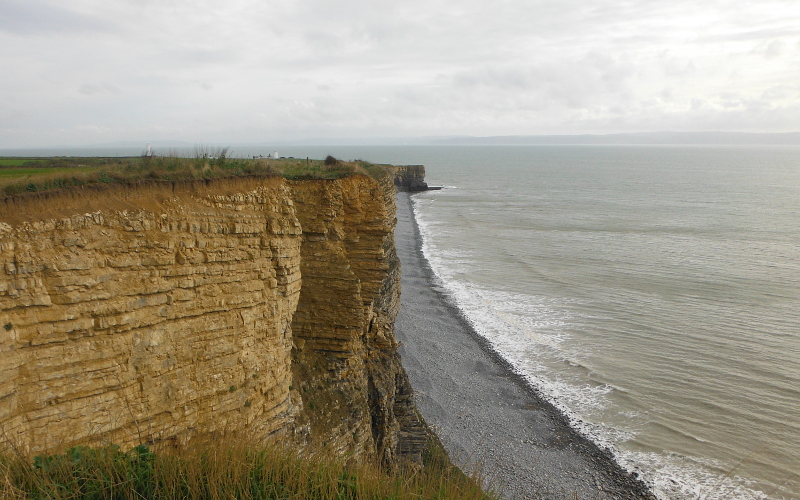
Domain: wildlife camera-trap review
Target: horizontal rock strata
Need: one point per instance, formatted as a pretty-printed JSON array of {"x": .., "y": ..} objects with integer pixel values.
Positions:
[{"x": 155, "y": 312}]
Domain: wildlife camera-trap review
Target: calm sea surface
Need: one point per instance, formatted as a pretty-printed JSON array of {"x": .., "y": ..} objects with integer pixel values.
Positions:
[{"x": 651, "y": 292}]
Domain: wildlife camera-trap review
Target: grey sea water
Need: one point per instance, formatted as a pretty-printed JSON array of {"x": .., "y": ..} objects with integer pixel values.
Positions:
[{"x": 651, "y": 292}]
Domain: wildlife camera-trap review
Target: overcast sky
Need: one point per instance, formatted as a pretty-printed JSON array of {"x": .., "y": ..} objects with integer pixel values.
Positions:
[{"x": 93, "y": 71}]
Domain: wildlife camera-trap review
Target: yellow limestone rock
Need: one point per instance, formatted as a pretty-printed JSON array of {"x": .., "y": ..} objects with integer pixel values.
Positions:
[
  {"x": 150, "y": 313},
  {"x": 168, "y": 317}
]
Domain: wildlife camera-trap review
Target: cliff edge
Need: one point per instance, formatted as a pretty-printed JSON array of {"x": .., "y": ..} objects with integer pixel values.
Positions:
[{"x": 158, "y": 311}]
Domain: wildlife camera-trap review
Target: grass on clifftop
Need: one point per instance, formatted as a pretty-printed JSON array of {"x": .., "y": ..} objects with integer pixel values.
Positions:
[
  {"x": 21, "y": 175},
  {"x": 224, "y": 471}
]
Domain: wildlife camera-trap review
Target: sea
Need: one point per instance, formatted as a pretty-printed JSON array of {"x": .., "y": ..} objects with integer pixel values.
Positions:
[{"x": 652, "y": 293}]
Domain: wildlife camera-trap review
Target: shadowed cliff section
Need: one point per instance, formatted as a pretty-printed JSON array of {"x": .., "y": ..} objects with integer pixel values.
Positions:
[
  {"x": 410, "y": 178},
  {"x": 159, "y": 311},
  {"x": 355, "y": 388}
]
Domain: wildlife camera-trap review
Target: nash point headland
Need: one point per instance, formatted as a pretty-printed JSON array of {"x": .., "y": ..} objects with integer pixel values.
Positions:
[{"x": 232, "y": 323}]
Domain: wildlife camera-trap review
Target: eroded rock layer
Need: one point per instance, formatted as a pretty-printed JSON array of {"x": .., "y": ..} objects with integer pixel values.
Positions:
[{"x": 156, "y": 312}]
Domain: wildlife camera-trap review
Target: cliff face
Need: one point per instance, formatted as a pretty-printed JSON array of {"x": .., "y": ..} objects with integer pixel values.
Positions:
[
  {"x": 357, "y": 393},
  {"x": 154, "y": 313},
  {"x": 410, "y": 178}
]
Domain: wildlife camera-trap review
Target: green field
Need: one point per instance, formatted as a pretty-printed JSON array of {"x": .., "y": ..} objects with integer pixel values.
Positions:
[
  {"x": 12, "y": 168},
  {"x": 18, "y": 162},
  {"x": 25, "y": 172}
]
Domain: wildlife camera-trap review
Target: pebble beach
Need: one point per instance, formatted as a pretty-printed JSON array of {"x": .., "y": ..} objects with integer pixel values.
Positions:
[{"x": 487, "y": 417}]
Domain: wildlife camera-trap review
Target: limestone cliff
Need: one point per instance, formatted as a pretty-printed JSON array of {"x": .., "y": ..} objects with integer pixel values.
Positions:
[
  {"x": 410, "y": 178},
  {"x": 158, "y": 311}
]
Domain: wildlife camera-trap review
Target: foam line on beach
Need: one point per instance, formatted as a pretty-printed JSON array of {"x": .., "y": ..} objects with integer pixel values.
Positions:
[
  {"x": 507, "y": 325},
  {"x": 483, "y": 411}
]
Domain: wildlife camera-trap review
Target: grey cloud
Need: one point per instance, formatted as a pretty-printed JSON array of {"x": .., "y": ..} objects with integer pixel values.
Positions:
[
  {"x": 36, "y": 17},
  {"x": 761, "y": 34},
  {"x": 574, "y": 83},
  {"x": 324, "y": 40},
  {"x": 201, "y": 70},
  {"x": 192, "y": 56},
  {"x": 775, "y": 48},
  {"x": 674, "y": 66},
  {"x": 779, "y": 92},
  {"x": 93, "y": 88}
]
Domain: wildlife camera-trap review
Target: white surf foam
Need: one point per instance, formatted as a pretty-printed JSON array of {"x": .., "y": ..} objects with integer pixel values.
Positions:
[{"x": 529, "y": 330}]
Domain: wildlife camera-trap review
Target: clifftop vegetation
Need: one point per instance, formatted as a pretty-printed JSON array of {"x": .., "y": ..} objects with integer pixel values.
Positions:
[{"x": 21, "y": 175}]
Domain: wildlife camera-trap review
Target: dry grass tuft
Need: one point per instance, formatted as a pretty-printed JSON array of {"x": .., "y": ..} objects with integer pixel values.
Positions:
[{"x": 225, "y": 469}]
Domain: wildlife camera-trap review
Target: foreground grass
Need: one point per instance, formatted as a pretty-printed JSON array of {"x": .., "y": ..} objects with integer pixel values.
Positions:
[
  {"x": 20, "y": 175},
  {"x": 225, "y": 471}
]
